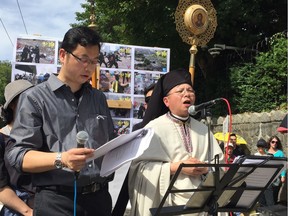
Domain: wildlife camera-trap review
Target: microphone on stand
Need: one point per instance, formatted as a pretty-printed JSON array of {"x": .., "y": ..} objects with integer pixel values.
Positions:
[
  {"x": 81, "y": 138},
  {"x": 194, "y": 109}
]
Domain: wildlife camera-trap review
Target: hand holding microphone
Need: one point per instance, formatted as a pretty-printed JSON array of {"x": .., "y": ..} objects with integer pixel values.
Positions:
[
  {"x": 81, "y": 138},
  {"x": 75, "y": 158}
]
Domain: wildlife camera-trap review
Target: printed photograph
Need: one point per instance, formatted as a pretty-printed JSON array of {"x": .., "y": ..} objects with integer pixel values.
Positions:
[
  {"x": 151, "y": 59},
  {"x": 115, "y": 81},
  {"x": 34, "y": 73},
  {"x": 138, "y": 107},
  {"x": 57, "y": 54},
  {"x": 35, "y": 51},
  {"x": 121, "y": 126},
  {"x": 143, "y": 80},
  {"x": 115, "y": 56}
]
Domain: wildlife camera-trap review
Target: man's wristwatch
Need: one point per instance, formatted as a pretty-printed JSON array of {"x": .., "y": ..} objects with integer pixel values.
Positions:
[{"x": 58, "y": 161}]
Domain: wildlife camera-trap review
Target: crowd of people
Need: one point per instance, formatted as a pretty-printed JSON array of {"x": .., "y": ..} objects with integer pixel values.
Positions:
[
  {"x": 276, "y": 193},
  {"x": 45, "y": 173}
]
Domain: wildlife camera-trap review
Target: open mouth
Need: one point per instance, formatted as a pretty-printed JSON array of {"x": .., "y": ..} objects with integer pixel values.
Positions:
[{"x": 187, "y": 102}]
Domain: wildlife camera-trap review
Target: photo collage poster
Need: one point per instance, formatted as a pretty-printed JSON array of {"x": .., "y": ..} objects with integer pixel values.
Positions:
[{"x": 125, "y": 71}]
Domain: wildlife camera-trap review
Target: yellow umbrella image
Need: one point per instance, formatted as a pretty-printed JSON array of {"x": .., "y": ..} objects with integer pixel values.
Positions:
[{"x": 220, "y": 136}]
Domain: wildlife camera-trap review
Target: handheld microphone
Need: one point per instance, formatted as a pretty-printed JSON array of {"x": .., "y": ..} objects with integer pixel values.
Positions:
[
  {"x": 81, "y": 138},
  {"x": 194, "y": 109}
]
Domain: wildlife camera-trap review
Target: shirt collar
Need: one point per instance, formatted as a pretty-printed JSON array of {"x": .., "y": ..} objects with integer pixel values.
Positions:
[{"x": 55, "y": 83}]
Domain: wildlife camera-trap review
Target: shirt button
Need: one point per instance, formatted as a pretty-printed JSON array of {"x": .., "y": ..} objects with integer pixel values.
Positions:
[{"x": 73, "y": 100}]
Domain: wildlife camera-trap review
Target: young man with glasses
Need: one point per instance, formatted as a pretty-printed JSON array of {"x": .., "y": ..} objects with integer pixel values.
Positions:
[{"x": 50, "y": 116}]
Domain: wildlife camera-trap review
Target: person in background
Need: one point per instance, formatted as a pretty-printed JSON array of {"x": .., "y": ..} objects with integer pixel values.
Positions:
[
  {"x": 261, "y": 147},
  {"x": 147, "y": 93},
  {"x": 50, "y": 115},
  {"x": 178, "y": 138},
  {"x": 275, "y": 148},
  {"x": 238, "y": 149},
  {"x": 16, "y": 191},
  {"x": 266, "y": 199},
  {"x": 282, "y": 195},
  {"x": 229, "y": 151}
]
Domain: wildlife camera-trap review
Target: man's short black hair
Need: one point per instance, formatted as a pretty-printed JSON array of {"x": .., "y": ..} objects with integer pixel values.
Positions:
[
  {"x": 233, "y": 134},
  {"x": 82, "y": 35}
]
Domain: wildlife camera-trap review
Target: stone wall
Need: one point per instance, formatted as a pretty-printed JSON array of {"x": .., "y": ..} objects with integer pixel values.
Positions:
[{"x": 253, "y": 126}]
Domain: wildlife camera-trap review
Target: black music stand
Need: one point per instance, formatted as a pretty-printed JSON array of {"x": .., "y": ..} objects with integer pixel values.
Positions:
[{"x": 234, "y": 190}]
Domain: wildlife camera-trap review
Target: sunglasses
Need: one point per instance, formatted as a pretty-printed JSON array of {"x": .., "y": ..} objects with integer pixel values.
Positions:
[
  {"x": 147, "y": 99},
  {"x": 273, "y": 142}
]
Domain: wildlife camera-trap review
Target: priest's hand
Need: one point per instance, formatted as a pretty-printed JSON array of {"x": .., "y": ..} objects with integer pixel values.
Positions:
[{"x": 191, "y": 171}]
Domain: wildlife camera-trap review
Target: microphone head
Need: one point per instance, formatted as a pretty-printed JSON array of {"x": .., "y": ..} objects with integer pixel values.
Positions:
[
  {"x": 192, "y": 110},
  {"x": 82, "y": 137}
]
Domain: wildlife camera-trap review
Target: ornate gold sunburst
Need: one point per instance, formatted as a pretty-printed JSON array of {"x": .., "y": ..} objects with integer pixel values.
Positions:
[{"x": 196, "y": 21}]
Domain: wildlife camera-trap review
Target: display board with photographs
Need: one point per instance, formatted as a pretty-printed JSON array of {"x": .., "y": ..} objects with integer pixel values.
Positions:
[{"x": 125, "y": 71}]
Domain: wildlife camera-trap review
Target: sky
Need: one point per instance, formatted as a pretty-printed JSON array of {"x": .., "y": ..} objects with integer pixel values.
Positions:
[{"x": 46, "y": 18}]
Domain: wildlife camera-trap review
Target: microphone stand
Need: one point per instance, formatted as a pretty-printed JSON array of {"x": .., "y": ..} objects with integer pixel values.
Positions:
[{"x": 207, "y": 116}]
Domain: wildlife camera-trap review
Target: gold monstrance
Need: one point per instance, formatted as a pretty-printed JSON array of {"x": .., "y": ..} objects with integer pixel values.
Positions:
[{"x": 196, "y": 23}]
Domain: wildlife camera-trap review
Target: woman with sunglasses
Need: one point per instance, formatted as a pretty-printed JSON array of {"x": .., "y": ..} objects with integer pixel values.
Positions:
[{"x": 275, "y": 148}]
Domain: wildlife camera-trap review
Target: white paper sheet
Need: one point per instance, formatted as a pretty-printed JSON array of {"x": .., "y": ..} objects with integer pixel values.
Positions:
[
  {"x": 116, "y": 185},
  {"x": 122, "y": 149},
  {"x": 132, "y": 149},
  {"x": 114, "y": 143}
]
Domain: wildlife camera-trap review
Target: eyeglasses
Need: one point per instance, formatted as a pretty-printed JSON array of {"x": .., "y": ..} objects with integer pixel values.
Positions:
[
  {"x": 273, "y": 142},
  {"x": 85, "y": 60},
  {"x": 181, "y": 92},
  {"x": 147, "y": 99}
]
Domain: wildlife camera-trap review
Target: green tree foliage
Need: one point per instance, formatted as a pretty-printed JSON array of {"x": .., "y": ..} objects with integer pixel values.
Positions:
[
  {"x": 261, "y": 86},
  {"x": 241, "y": 23},
  {"x": 5, "y": 78}
]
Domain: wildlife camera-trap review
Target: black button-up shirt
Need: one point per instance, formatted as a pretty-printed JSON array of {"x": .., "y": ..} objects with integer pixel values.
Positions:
[{"x": 48, "y": 118}]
